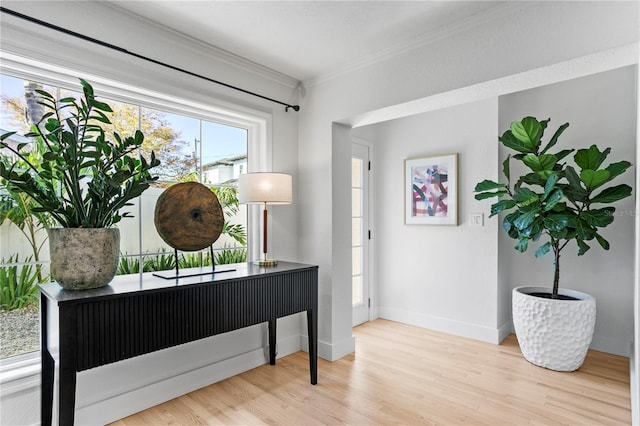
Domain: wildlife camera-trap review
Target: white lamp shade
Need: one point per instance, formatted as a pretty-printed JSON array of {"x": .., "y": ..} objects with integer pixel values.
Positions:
[{"x": 260, "y": 188}]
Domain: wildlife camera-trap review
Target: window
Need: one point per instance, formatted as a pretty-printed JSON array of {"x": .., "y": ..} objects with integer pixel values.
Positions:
[{"x": 193, "y": 142}]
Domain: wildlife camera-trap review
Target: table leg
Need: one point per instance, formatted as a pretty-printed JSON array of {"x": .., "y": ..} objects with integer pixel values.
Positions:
[
  {"x": 272, "y": 342},
  {"x": 312, "y": 331},
  {"x": 47, "y": 368}
]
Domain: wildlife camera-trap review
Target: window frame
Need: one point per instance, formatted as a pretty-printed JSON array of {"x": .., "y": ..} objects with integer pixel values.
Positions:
[{"x": 21, "y": 372}]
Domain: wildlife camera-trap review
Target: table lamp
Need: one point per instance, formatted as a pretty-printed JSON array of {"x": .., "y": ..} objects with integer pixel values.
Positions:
[{"x": 265, "y": 188}]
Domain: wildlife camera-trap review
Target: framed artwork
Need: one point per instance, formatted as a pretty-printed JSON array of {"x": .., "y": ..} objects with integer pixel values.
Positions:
[{"x": 431, "y": 190}]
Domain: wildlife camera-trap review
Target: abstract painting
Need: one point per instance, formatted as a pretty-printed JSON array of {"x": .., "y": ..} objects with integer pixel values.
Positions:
[{"x": 431, "y": 190}]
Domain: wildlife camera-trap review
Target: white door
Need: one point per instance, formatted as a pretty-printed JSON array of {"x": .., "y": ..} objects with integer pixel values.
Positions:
[{"x": 360, "y": 232}]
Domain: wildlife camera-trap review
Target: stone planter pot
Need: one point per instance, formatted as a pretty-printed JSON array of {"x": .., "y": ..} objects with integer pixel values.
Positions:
[
  {"x": 553, "y": 333},
  {"x": 84, "y": 258}
]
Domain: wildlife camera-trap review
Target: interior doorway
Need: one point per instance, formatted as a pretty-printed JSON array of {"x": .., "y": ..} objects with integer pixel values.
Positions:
[{"x": 360, "y": 233}]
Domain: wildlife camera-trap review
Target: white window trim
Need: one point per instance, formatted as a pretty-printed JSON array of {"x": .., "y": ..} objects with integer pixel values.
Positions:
[{"x": 22, "y": 372}]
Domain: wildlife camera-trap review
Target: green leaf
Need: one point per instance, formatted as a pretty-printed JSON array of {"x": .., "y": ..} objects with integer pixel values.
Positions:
[
  {"x": 599, "y": 218},
  {"x": 559, "y": 235},
  {"x": 505, "y": 168},
  {"x": 556, "y": 222},
  {"x": 525, "y": 197},
  {"x": 603, "y": 243},
  {"x": 49, "y": 156},
  {"x": 507, "y": 222},
  {"x": 584, "y": 231},
  {"x": 523, "y": 244},
  {"x": 44, "y": 94},
  {"x": 562, "y": 154},
  {"x": 101, "y": 106},
  {"x": 549, "y": 185},
  {"x": 590, "y": 158},
  {"x": 594, "y": 178},
  {"x": 501, "y": 206},
  {"x": 616, "y": 169},
  {"x": 543, "y": 249},
  {"x": 555, "y": 137},
  {"x": 87, "y": 90},
  {"x": 612, "y": 194},
  {"x": 553, "y": 199},
  {"x": 560, "y": 207},
  {"x": 528, "y": 131},
  {"x": 485, "y": 195},
  {"x": 512, "y": 142},
  {"x": 539, "y": 163},
  {"x": 525, "y": 219},
  {"x": 487, "y": 185},
  {"x": 530, "y": 179},
  {"x": 6, "y": 135},
  {"x": 582, "y": 247},
  {"x": 576, "y": 192}
]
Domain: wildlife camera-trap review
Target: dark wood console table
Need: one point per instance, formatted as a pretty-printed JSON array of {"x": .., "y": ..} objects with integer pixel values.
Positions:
[{"x": 139, "y": 314}]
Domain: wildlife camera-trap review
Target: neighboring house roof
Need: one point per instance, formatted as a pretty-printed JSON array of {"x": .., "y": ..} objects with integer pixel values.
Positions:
[{"x": 225, "y": 161}]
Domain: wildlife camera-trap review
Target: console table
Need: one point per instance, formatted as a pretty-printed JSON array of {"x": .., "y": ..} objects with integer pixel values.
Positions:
[{"x": 138, "y": 314}]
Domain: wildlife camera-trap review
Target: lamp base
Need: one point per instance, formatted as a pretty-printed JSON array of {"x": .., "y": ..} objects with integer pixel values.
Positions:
[{"x": 265, "y": 262}]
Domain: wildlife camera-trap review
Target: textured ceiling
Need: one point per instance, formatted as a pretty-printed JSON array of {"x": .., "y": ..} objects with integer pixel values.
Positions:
[{"x": 311, "y": 39}]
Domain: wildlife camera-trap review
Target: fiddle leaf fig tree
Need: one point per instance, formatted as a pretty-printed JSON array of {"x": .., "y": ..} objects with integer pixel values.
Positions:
[
  {"x": 82, "y": 178},
  {"x": 554, "y": 202}
]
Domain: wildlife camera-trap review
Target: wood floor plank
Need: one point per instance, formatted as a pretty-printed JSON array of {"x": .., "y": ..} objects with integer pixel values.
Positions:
[{"x": 408, "y": 375}]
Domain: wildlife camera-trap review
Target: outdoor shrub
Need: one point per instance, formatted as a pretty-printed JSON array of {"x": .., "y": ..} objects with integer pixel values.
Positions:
[
  {"x": 231, "y": 255},
  {"x": 159, "y": 262},
  {"x": 128, "y": 265},
  {"x": 194, "y": 260},
  {"x": 18, "y": 284}
]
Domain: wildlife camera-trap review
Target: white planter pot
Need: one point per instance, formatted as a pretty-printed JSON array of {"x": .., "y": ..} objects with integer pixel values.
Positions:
[{"x": 553, "y": 333}]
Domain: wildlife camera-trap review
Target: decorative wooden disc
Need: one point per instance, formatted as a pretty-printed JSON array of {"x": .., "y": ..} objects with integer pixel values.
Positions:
[{"x": 188, "y": 216}]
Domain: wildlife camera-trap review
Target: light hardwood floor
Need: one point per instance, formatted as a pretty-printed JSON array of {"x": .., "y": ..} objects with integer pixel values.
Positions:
[{"x": 406, "y": 375}]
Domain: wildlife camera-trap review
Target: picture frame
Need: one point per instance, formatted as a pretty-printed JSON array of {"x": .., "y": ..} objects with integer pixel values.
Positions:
[{"x": 431, "y": 190}]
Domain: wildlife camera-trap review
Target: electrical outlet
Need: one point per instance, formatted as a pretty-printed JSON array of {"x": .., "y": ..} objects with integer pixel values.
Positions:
[{"x": 476, "y": 219}]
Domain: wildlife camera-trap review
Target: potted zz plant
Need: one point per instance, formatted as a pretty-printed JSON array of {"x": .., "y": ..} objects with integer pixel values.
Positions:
[
  {"x": 554, "y": 203},
  {"x": 82, "y": 179}
]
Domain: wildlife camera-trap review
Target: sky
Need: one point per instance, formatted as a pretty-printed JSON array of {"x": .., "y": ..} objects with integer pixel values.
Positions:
[{"x": 220, "y": 141}]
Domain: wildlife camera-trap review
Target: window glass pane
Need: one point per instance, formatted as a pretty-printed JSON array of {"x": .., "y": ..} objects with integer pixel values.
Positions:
[
  {"x": 174, "y": 139},
  {"x": 357, "y": 290},
  {"x": 356, "y": 209},
  {"x": 14, "y": 93},
  {"x": 356, "y": 172},
  {"x": 125, "y": 119},
  {"x": 356, "y": 226},
  {"x": 23, "y": 245},
  {"x": 186, "y": 146},
  {"x": 356, "y": 260},
  {"x": 224, "y": 153}
]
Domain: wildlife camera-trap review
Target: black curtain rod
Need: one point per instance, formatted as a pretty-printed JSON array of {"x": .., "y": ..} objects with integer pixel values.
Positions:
[{"x": 136, "y": 55}]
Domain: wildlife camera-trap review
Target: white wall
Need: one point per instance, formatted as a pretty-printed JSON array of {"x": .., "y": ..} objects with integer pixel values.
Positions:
[
  {"x": 439, "y": 277},
  {"x": 527, "y": 41},
  {"x": 601, "y": 110},
  {"x": 108, "y": 393}
]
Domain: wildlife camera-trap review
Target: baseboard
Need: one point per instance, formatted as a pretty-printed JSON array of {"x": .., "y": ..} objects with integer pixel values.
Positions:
[
  {"x": 331, "y": 351},
  {"x": 504, "y": 330},
  {"x": 458, "y": 328},
  {"x": 136, "y": 400}
]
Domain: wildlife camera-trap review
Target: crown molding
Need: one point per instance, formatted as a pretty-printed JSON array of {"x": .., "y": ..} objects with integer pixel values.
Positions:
[
  {"x": 168, "y": 35},
  {"x": 506, "y": 9},
  {"x": 203, "y": 48}
]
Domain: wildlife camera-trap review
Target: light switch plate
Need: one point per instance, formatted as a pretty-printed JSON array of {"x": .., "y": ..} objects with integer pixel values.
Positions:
[{"x": 476, "y": 219}]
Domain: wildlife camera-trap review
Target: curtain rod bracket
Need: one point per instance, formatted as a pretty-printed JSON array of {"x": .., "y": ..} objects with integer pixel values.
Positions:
[{"x": 136, "y": 55}]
